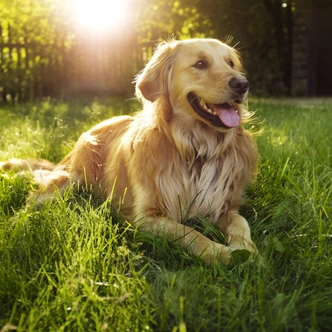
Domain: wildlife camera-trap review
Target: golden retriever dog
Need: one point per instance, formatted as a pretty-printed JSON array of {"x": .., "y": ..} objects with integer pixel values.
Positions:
[{"x": 185, "y": 155}]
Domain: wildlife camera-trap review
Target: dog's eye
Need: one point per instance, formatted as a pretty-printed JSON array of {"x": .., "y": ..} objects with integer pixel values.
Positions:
[
  {"x": 200, "y": 64},
  {"x": 231, "y": 63}
]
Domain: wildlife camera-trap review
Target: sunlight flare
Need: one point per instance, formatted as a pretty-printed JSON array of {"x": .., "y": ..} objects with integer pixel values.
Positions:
[{"x": 99, "y": 14}]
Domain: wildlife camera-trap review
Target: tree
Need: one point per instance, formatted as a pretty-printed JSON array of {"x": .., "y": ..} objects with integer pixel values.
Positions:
[{"x": 43, "y": 52}]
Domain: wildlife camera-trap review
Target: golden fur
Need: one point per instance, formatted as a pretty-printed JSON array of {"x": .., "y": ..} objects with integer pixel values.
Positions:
[{"x": 168, "y": 164}]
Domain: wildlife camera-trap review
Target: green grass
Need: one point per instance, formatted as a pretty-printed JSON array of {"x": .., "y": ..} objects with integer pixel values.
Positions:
[{"x": 76, "y": 266}]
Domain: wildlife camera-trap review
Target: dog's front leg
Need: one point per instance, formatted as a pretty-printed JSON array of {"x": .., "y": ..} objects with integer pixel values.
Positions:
[
  {"x": 188, "y": 238},
  {"x": 237, "y": 233}
]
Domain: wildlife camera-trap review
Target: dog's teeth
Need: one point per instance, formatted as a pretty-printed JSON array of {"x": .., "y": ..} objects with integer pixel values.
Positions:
[
  {"x": 205, "y": 107},
  {"x": 203, "y": 104},
  {"x": 211, "y": 111}
]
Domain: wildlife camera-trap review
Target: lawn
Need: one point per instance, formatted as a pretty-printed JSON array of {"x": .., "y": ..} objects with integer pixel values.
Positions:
[{"x": 75, "y": 265}]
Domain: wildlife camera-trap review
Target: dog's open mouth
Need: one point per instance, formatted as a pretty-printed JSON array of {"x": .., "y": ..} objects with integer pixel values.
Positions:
[{"x": 219, "y": 115}]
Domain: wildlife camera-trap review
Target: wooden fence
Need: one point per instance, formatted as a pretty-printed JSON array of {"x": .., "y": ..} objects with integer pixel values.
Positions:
[{"x": 36, "y": 69}]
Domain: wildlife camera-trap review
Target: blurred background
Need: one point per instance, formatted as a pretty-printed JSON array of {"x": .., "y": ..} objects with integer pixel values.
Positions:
[{"x": 74, "y": 48}]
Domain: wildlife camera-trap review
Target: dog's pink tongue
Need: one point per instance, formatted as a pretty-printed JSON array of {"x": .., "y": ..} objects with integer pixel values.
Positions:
[{"x": 228, "y": 115}]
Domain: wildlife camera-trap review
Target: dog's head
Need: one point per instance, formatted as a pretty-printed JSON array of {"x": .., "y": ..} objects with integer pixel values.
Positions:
[{"x": 202, "y": 78}]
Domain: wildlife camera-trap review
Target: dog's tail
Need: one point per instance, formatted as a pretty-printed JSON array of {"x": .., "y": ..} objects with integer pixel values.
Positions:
[
  {"x": 26, "y": 165},
  {"x": 45, "y": 173}
]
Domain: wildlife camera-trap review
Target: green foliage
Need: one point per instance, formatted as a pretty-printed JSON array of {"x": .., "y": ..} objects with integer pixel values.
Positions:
[
  {"x": 45, "y": 53},
  {"x": 75, "y": 265}
]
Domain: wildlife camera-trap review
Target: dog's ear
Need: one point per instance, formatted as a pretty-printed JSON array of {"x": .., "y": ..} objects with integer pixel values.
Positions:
[{"x": 153, "y": 80}]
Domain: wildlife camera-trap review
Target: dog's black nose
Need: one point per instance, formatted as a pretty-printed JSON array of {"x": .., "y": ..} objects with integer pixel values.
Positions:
[{"x": 239, "y": 85}]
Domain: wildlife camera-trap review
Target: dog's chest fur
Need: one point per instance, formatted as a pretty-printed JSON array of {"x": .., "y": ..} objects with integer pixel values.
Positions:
[
  {"x": 198, "y": 178},
  {"x": 198, "y": 191}
]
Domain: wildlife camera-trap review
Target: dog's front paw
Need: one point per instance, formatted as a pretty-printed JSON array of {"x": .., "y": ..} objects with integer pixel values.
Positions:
[
  {"x": 240, "y": 256},
  {"x": 243, "y": 255},
  {"x": 216, "y": 253}
]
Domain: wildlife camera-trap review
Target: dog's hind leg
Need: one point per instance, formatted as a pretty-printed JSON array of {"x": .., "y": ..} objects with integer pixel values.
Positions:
[
  {"x": 81, "y": 167},
  {"x": 49, "y": 183}
]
